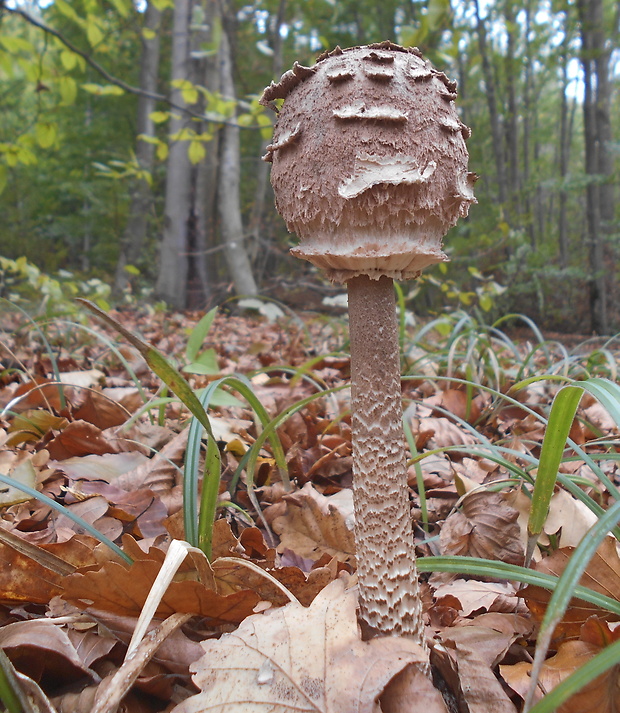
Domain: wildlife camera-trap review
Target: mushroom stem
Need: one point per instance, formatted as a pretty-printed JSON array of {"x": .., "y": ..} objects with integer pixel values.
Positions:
[{"x": 389, "y": 597}]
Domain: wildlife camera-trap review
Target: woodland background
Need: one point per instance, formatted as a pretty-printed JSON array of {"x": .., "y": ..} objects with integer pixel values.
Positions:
[{"x": 131, "y": 137}]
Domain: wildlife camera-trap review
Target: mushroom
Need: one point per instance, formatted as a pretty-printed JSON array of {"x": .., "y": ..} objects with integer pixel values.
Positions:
[{"x": 370, "y": 171}]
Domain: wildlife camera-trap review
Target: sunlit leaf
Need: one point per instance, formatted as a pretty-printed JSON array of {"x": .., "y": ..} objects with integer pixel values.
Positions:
[
  {"x": 68, "y": 90},
  {"x": 196, "y": 152},
  {"x": 46, "y": 134}
]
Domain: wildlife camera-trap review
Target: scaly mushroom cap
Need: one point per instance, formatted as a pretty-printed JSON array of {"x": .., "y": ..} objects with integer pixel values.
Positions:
[{"x": 369, "y": 161}]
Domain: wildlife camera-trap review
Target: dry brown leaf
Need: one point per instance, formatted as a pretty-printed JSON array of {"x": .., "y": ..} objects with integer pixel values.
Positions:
[
  {"x": 485, "y": 527},
  {"x": 79, "y": 438},
  {"x": 445, "y": 433},
  {"x": 176, "y": 653},
  {"x": 602, "y": 575},
  {"x": 107, "y": 467},
  {"x": 456, "y": 401},
  {"x": 231, "y": 577},
  {"x": 298, "y": 659},
  {"x": 30, "y": 426},
  {"x": 122, "y": 590},
  {"x": 161, "y": 473},
  {"x": 465, "y": 660},
  {"x": 43, "y": 651},
  {"x": 91, "y": 646},
  {"x": 598, "y": 696},
  {"x": 567, "y": 516},
  {"x": 473, "y": 684},
  {"x": 315, "y": 524},
  {"x": 101, "y": 411},
  {"x": 474, "y": 595},
  {"x": 31, "y": 573}
]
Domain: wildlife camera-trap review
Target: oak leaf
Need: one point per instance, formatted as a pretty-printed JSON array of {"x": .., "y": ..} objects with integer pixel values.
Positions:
[{"x": 122, "y": 590}]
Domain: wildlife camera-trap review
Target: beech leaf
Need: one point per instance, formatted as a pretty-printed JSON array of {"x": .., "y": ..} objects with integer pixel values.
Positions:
[
  {"x": 315, "y": 524},
  {"x": 305, "y": 659}
]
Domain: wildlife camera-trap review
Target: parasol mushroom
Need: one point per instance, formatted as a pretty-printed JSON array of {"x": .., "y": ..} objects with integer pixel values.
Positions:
[{"x": 370, "y": 171}]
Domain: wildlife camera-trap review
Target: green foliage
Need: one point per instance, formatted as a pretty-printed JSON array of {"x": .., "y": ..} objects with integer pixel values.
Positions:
[
  {"x": 22, "y": 282},
  {"x": 65, "y": 129}
]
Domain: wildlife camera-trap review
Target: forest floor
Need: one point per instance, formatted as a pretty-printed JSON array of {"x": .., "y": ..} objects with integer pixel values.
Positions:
[{"x": 107, "y": 450}]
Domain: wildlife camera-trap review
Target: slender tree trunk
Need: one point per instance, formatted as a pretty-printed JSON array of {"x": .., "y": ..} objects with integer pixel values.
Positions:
[
  {"x": 229, "y": 200},
  {"x": 203, "y": 31},
  {"x": 494, "y": 117},
  {"x": 592, "y": 51},
  {"x": 263, "y": 187},
  {"x": 206, "y": 172},
  {"x": 539, "y": 213},
  {"x": 527, "y": 127},
  {"x": 564, "y": 151},
  {"x": 512, "y": 130},
  {"x": 173, "y": 261},
  {"x": 141, "y": 199}
]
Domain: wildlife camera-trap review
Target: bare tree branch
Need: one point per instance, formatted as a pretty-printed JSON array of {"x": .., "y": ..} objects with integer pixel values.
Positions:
[{"x": 119, "y": 82}]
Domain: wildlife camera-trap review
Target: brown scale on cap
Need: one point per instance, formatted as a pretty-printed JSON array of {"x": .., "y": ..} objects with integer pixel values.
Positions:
[{"x": 369, "y": 161}]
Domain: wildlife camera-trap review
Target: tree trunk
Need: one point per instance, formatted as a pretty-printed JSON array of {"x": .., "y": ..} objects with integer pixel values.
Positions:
[
  {"x": 229, "y": 200},
  {"x": 141, "y": 199},
  {"x": 263, "y": 187},
  {"x": 527, "y": 127},
  {"x": 564, "y": 150},
  {"x": 592, "y": 59},
  {"x": 173, "y": 261},
  {"x": 496, "y": 129},
  {"x": 512, "y": 131},
  {"x": 205, "y": 207}
]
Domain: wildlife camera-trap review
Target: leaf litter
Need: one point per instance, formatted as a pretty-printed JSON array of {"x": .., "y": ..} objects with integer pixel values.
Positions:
[{"x": 262, "y": 623}]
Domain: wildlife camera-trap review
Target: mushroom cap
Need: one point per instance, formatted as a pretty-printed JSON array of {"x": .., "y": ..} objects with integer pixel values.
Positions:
[{"x": 369, "y": 161}]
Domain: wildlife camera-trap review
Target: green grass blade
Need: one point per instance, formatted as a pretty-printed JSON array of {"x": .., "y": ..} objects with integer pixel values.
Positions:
[
  {"x": 560, "y": 421},
  {"x": 159, "y": 364},
  {"x": 64, "y": 511},
  {"x": 209, "y": 497},
  {"x": 474, "y": 567},
  {"x": 48, "y": 348},
  {"x": 243, "y": 386},
  {"x": 10, "y": 693},
  {"x": 565, "y": 590},
  {"x": 419, "y": 477},
  {"x": 607, "y": 393},
  {"x": 114, "y": 349},
  {"x": 198, "y": 335}
]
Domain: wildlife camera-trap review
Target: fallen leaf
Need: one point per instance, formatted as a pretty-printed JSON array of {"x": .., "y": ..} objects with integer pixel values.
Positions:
[
  {"x": 602, "y": 575},
  {"x": 108, "y": 466},
  {"x": 122, "y": 590},
  {"x": 486, "y": 527},
  {"x": 598, "y": 696},
  {"x": 316, "y": 524},
  {"x": 79, "y": 438},
  {"x": 567, "y": 516},
  {"x": 43, "y": 651},
  {"x": 298, "y": 659},
  {"x": 100, "y": 410},
  {"x": 470, "y": 678},
  {"x": 474, "y": 595},
  {"x": 445, "y": 433}
]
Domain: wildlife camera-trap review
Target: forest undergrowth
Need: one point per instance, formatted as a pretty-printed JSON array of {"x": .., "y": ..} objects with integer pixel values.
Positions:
[{"x": 176, "y": 532}]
